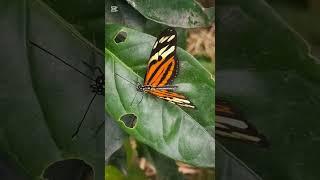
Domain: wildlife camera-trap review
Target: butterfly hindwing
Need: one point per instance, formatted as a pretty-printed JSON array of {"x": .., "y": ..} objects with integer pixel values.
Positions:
[
  {"x": 163, "y": 64},
  {"x": 230, "y": 124},
  {"x": 172, "y": 97}
]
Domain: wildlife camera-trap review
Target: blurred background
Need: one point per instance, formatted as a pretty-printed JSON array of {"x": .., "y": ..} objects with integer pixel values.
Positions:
[{"x": 303, "y": 16}]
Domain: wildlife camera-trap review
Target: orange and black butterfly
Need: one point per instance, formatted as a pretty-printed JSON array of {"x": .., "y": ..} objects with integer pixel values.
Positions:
[
  {"x": 230, "y": 124},
  {"x": 163, "y": 67}
]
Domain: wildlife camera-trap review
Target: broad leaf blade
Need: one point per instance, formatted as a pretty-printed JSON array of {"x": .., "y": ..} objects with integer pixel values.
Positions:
[
  {"x": 114, "y": 137},
  {"x": 230, "y": 167},
  {"x": 280, "y": 87},
  {"x": 178, "y": 13},
  {"x": 178, "y": 133},
  {"x": 124, "y": 14},
  {"x": 39, "y": 103}
]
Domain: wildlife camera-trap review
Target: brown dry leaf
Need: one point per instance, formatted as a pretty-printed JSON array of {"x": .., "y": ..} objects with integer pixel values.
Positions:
[
  {"x": 195, "y": 173},
  {"x": 201, "y": 41},
  {"x": 187, "y": 169},
  {"x": 148, "y": 168}
]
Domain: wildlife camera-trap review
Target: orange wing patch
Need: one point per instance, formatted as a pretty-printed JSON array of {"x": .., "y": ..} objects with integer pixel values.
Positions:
[{"x": 163, "y": 73}]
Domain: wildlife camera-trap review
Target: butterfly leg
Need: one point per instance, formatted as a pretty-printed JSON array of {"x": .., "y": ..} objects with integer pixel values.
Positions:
[
  {"x": 93, "y": 68},
  {"x": 98, "y": 68},
  {"x": 99, "y": 128},
  {"x": 141, "y": 99},
  {"x": 133, "y": 99},
  {"x": 83, "y": 118},
  {"x": 93, "y": 88}
]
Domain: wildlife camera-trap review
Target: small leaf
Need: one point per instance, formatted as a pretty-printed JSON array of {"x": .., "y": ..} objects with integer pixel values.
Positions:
[
  {"x": 113, "y": 139},
  {"x": 113, "y": 173}
]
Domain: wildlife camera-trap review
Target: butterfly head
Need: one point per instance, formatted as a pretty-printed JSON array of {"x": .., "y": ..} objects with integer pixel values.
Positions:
[
  {"x": 98, "y": 87},
  {"x": 166, "y": 37},
  {"x": 139, "y": 87},
  {"x": 169, "y": 31},
  {"x": 100, "y": 81},
  {"x": 142, "y": 88}
]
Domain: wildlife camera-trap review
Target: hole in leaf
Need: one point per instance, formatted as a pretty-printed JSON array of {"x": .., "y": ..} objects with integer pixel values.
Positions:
[
  {"x": 120, "y": 37},
  {"x": 69, "y": 169},
  {"x": 129, "y": 120}
]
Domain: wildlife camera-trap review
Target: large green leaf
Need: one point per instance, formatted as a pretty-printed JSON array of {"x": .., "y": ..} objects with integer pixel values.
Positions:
[
  {"x": 42, "y": 99},
  {"x": 229, "y": 167},
  {"x": 178, "y": 13},
  {"x": 86, "y": 16},
  {"x": 182, "y": 134},
  {"x": 124, "y": 14},
  {"x": 265, "y": 69}
]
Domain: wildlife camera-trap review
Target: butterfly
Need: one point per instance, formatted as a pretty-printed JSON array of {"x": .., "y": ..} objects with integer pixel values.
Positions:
[
  {"x": 163, "y": 67},
  {"x": 97, "y": 86},
  {"x": 230, "y": 124}
]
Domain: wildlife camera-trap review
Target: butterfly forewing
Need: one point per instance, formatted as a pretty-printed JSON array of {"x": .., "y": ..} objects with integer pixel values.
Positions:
[{"x": 163, "y": 64}]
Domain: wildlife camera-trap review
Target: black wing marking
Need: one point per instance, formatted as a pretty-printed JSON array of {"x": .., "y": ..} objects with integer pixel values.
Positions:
[{"x": 230, "y": 124}]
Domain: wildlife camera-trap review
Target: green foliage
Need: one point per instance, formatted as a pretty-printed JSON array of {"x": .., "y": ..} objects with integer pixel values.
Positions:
[
  {"x": 279, "y": 92},
  {"x": 42, "y": 99},
  {"x": 86, "y": 16},
  {"x": 114, "y": 138},
  {"x": 113, "y": 173},
  {"x": 125, "y": 15},
  {"x": 178, "y": 13},
  {"x": 176, "y": 133},
  {"x": 123, "y": 164}
]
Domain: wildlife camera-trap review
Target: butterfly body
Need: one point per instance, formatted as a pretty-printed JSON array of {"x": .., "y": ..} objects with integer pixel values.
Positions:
[
  {"x": 147, "y": 88},
  {"x": 98, "y": 86}
]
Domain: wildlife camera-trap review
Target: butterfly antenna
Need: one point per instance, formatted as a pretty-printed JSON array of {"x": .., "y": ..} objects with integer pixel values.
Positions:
[
  {"x": 133, "y": 99},
  {"x": 60, "y": 59},
  {"x": 141, "y": 98},
  {"x": 171, "y": 87},
  {"x": 98, "y": 129},
  {"x": 84, "y": 116},
  {"x": 93, "y": 68},
  {"x": 128, "y": 80}
]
